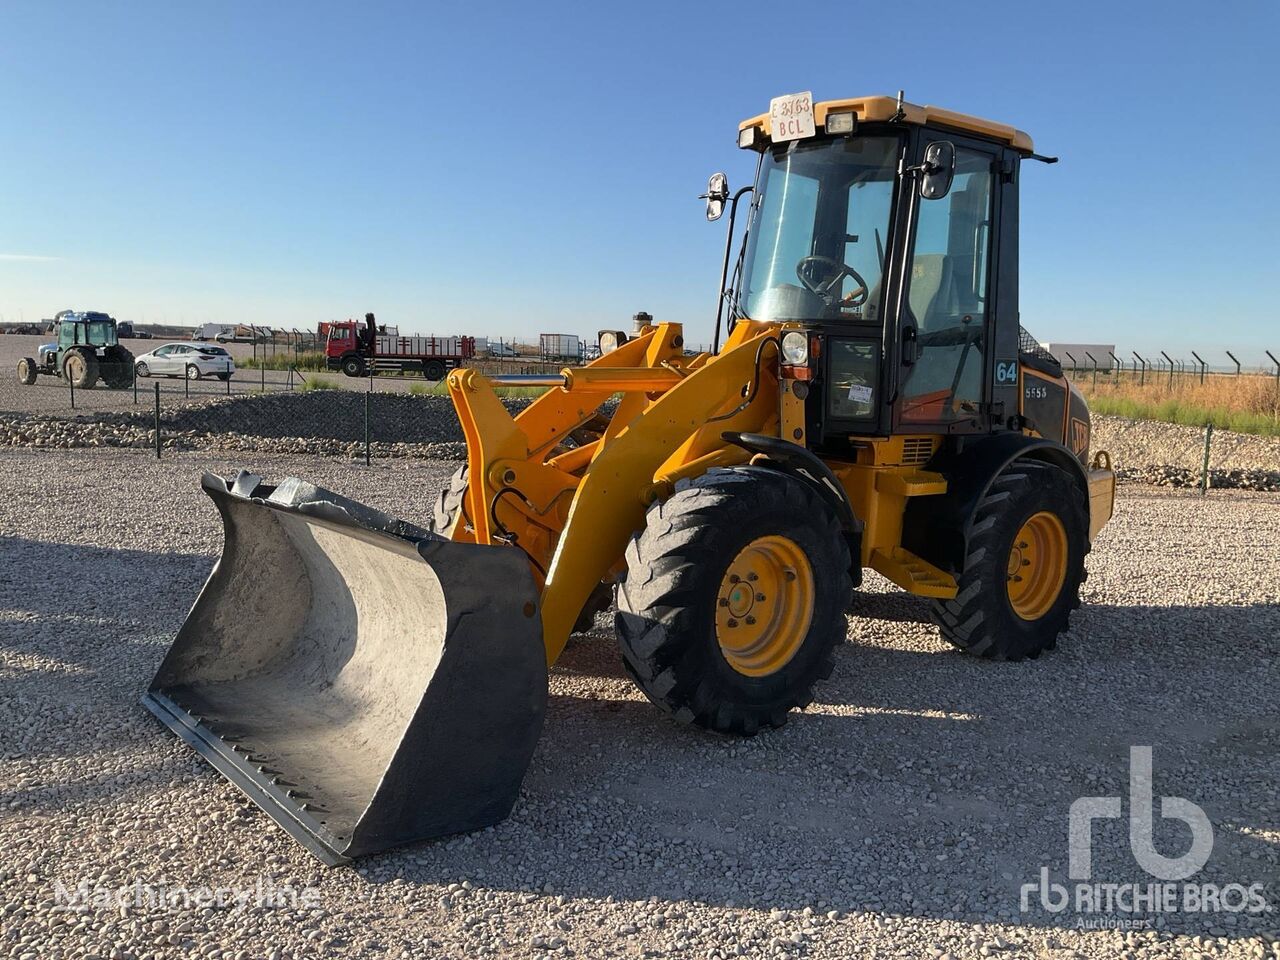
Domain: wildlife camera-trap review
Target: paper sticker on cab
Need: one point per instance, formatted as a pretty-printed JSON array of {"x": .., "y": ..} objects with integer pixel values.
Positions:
[{"x": 791, "y": 117}]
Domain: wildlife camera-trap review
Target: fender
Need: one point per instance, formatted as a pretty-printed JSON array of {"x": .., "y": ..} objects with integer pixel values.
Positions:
[
  {"x": 807, "y": 467},
  {"x": 937, "y": 528}
]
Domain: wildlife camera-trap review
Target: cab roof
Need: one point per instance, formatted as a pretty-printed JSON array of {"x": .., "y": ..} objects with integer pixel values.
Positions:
[{"x": 879, "y": 109}]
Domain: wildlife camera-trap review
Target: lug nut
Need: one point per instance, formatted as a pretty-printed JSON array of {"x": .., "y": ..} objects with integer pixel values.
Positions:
[
  {"x": 751, "y": 621},
  {"x": 760, "y": 597},
  {"x": 732, "y": 622},
  {"x": 734, "y": 578},
  {"x": 790, "y": 575},
  {"x": 724, "y": 602},
  {"x": 752, "y": 577}
]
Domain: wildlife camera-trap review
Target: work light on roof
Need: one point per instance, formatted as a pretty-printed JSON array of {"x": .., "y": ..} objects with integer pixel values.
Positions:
[{"x": 839, "y": 123}]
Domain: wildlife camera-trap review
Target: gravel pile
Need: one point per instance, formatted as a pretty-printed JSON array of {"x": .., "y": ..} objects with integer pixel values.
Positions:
[
  {"x": 898, "y": 816},
  {"x": 1169, "y": 454},
  {"x": 129, "y": 430},
  {"x": 331, "y": 423}
]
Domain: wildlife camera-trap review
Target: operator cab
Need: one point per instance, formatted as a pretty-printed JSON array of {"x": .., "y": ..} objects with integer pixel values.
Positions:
[{"x": 886, "y": 233}]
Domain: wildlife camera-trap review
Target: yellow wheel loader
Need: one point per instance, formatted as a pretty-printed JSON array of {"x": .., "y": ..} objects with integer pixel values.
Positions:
[{"x": 874, "y": 404}]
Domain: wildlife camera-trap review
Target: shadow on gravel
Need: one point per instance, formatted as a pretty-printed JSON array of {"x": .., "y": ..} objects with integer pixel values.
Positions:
[
  {"x": 922, "y": 782},
  {"x": 138, "y": 587}
]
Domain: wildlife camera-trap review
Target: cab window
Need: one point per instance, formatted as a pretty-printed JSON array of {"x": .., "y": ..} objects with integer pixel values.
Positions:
[{"x": 947, "y": 295}]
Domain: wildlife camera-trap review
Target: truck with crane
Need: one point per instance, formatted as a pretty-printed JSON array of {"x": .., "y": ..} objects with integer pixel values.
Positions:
[{"x": 361, "y": 349}]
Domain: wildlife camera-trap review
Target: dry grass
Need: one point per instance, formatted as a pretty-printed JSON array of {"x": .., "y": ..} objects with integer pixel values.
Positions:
[{"x": 1248, "y": 404}]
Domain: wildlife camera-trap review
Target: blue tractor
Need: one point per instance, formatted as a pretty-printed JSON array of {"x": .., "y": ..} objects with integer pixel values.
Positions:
[{"x": 87, "y": 350}]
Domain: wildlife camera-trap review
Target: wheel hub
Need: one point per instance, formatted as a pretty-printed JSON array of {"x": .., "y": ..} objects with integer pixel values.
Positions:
[
  {"x": 764, "y": 606},
  {"x": 1037, "y": 566}
]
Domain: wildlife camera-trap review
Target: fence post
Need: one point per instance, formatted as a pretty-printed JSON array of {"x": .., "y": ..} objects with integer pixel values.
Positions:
[
  {"x": 1095, "y": 368},
  {"x": 1143, "y": 381},
  {"x": 135, "y": 385},
  {"x": 1277, "y": 363},
  {"x": 1202, "y": 364},
  {"x": 1235, "y": 361},
  {"x": 157, "y": 386},
  {"x": 367, "y": 457},
  {"x": 1204, "y": 469},
  {"x": 186, "y": 384},
  {"x": 263, "y": 371},
  {"x": 228, "y": 383},
  {"x": 1166, "y": 356},
  {"x": 1117, "y": 369}
]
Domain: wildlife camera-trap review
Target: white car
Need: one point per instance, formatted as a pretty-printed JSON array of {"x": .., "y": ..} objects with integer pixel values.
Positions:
[{"x": 189, "y": 360}]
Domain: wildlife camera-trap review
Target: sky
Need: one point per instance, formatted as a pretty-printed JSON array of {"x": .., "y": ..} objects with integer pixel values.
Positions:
[{"x": 513, "y": 169}]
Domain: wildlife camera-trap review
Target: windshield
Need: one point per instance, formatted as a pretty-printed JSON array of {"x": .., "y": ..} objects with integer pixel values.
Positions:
[
  {"x": 816, "y": 249},
  {"x": 100, "y": 333}
]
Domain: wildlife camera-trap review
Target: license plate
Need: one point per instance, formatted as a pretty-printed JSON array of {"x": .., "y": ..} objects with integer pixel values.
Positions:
[{"x": 791, "y": 117}]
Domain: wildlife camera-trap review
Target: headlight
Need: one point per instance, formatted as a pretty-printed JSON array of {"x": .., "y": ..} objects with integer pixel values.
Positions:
[
  {"x": 610, "y": 340},
  {"x": 795, "y": 348}
]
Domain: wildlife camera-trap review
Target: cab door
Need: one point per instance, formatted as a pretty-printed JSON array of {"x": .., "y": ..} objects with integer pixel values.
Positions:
[{"x": 945, "y": 326}]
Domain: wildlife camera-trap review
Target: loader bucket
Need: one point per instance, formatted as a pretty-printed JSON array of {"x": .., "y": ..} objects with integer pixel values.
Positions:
[{"x": 363, "y": 681}]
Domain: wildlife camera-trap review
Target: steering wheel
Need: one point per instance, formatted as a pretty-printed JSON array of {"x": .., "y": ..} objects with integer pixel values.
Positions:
[{"x": 841, "y": 270}]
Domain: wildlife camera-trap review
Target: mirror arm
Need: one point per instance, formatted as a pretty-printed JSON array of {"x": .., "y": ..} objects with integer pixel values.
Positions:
[{"x": 724, "y": 269}]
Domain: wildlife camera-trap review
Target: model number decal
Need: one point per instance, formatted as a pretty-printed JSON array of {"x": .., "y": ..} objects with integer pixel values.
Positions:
[
  {"x": 1036, "y": 391},
  {"x": 1006, "y": 371}
]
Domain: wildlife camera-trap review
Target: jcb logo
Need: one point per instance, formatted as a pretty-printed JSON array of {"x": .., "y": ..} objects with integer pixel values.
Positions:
[{"x": 1079, "y": 435}]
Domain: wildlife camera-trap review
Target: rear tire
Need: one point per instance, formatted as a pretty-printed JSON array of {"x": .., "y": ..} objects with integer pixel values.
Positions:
[
  {"x": 27, "y": 371},
  {"x": 193, "y": 372},
  {"x": 677, "y": 607},
  {"x": 1024, "y": 566},
  {"x": 433, "y": 370}
]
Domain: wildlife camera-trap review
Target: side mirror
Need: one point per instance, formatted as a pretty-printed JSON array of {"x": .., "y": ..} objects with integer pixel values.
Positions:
[
  {"x": 938, "y": 169},
  {"x": 717, "y": 193}
]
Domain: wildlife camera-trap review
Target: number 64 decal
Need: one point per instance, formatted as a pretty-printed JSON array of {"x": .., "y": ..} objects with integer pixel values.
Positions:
[{"x": 1006, "y": 371}]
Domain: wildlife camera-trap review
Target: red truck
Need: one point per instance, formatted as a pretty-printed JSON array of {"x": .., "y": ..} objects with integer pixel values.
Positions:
[{"x": 359, "y": 349}]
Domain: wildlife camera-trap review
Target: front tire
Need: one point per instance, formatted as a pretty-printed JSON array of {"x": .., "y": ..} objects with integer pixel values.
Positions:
[
  {"x": 26, "y": 371},
  {"x": 1024, "y": 566},
  {"x": 142, "y": 370},
  {"x": 353, "y": 367},
  {"x": 734, "y": 599}
]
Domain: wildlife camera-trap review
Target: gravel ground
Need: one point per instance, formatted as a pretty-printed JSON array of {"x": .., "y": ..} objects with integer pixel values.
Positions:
[{"x": 898, "y": 816}]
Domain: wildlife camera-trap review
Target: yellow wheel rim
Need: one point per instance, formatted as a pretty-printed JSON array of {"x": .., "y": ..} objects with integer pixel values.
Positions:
[
  {"x": 1037, "y": 565},
  {"x": 764, "y": 606}
]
